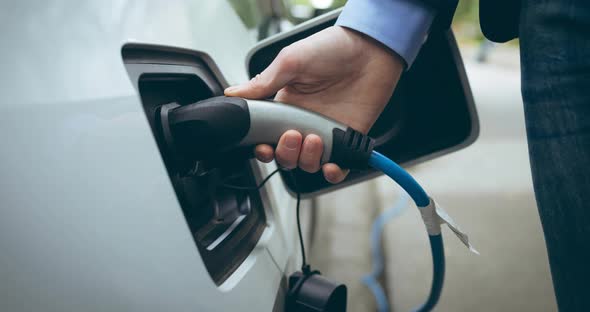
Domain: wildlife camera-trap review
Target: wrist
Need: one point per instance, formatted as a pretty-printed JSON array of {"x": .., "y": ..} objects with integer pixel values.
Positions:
[
  {"x": 371, "y": 50},
  {"x": 369, "y": 47}
]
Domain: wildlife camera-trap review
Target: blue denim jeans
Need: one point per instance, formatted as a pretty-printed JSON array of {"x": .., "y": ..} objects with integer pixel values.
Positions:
[{"x": 555, "y": 58}]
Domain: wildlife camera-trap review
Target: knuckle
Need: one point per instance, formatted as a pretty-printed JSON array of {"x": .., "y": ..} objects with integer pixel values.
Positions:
[
  {"x": 286, "y": 159},
  {"x": 309, "y": 166},
  {"x": 258, "y": 82},
  {"x": 288, "y": 59}
]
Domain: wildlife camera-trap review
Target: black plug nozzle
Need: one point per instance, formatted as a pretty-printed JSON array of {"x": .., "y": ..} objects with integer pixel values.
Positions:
[{"x": 203, "y": 130}]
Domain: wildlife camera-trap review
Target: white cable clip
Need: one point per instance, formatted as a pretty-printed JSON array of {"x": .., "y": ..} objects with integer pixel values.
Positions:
[{"x": 434, "y": 215}]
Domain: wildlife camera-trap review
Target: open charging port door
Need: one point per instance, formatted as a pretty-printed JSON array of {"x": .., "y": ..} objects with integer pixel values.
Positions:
[{"x": 431, "y": 112}]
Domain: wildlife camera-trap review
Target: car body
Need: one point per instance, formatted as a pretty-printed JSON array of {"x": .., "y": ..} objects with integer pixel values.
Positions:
[
  {"x": 90, "y": 220},
  {"x": 93, "y": 218}
]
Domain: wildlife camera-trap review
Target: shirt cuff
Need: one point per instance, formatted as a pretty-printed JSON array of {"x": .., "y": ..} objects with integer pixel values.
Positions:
[{"x": 401, "y": 25}]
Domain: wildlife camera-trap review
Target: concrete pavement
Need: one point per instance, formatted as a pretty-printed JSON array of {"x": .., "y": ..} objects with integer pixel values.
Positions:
[{"x": 341, "y": 249}]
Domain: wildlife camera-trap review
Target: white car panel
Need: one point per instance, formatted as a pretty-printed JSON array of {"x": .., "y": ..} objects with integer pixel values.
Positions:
[{"x": 89, "y": 220}]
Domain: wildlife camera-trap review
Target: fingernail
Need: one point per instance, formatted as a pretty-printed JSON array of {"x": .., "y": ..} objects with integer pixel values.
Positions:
[
  {"x": 310, "y": 145},
  {"x": 291, "y": 142},
  {"x": 329, "y": 176},
  {"x": 231, "y": 89},
  {"x": 261, "y": 157},
  {"x": 266, "y": 158}
]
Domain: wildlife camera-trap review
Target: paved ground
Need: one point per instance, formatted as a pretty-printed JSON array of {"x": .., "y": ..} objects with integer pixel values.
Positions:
[
  {"x": 486, "y": 188},
  {"x": 341, "y": 248}
]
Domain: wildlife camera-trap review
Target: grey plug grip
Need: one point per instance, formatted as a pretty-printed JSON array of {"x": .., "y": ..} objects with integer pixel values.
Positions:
[{"x": 269, "y": 120}]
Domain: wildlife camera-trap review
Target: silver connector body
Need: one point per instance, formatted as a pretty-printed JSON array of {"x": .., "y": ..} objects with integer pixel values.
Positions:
[{"x": 269, "y": 120}]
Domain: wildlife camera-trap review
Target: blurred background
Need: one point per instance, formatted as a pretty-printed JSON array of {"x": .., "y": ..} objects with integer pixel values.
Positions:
[{"x": 486, "y": 187}]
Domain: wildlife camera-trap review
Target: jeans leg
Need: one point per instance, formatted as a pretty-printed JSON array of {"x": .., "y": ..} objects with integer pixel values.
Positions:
[{"x": 555, "y": 58}]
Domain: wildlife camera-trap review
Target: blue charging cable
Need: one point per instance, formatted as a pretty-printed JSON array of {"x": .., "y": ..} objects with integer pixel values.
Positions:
[{"x": 419, "y": 196}]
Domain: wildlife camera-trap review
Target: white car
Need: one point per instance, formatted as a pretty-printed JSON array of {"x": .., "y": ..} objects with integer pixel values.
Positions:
[{"x": 94, "y": 215}]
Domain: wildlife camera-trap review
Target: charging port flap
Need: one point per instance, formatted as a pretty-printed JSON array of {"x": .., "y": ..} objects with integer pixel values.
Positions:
[{"x": 431, "y": 113}]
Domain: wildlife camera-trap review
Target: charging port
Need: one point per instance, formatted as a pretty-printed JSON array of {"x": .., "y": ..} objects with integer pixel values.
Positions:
[{"x": 225, "y": 223}]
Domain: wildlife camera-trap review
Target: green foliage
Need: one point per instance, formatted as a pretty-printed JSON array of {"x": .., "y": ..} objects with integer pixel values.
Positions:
[
  {"x": 466, "y": 21},
  {"x": 467, "y": 11},
  {"x": 248, "y": 11}
]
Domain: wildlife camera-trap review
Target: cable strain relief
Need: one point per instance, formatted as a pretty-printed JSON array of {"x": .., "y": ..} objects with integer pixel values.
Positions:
[{"x": 351, "y": 149}]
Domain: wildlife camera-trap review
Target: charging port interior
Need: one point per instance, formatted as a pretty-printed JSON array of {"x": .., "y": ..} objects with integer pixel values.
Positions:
[{"x": 225, "y": 223}]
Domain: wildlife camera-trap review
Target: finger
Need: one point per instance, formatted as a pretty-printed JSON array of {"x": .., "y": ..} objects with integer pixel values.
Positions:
[
  {"x": 333, "y": 173},
  {"x": 311, "y": 153},
  {"x": 287, "y": 151},
  {"x": 278, "y": 74},
  {"x": 264, "y": 153}
]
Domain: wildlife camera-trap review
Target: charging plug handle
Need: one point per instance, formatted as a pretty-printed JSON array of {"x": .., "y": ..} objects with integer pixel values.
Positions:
[{"x": 204, "y": 129}]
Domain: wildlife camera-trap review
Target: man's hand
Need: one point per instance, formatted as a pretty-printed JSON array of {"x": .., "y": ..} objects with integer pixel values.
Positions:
[{"x": 337, "y": 72}]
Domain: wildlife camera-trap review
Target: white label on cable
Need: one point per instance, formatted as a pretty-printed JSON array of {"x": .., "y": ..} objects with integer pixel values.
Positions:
[{"x": 434, "y": 215}]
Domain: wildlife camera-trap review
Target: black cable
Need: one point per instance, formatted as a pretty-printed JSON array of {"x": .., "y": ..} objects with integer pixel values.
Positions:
[
  {"x": 304, "y": 266},
  {"x": 303, "y": 258},
  {"x": 251, "y": 188}
]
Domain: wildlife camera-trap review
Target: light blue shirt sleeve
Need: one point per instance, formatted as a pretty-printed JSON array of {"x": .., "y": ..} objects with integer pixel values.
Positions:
[{"x": 401, "y": 25}]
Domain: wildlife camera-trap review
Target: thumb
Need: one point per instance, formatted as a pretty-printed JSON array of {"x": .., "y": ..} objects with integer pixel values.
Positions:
[{"x": 277, "y": 75}]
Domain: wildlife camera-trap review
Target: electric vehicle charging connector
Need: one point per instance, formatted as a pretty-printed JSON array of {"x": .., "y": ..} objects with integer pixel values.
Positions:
[{"x": 202, "y": 130}]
